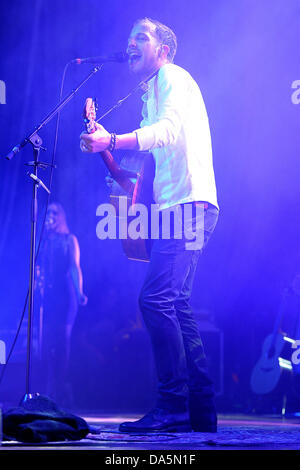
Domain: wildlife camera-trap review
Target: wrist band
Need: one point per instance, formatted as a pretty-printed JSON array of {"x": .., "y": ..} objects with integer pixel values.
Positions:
[{"x": 112, "y": 144}]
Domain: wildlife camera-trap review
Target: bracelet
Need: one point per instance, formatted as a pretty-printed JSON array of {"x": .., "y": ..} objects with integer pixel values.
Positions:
[{"x": 112, "y": 144}]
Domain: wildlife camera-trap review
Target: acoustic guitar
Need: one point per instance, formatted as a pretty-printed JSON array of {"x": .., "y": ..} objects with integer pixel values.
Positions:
[
  {"x": 133, "y": 182},
  {"x": 267, "y": 371}
]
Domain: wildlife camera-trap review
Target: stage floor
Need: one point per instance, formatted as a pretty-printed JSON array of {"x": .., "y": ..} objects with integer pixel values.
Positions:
[{"x": 235, "y": 432}]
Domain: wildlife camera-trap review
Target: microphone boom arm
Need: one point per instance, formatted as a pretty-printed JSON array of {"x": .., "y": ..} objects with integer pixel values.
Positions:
[{"x": 56, "y": 110}]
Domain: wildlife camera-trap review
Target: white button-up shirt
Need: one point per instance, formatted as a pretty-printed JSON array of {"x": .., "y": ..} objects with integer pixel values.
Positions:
[{"x": 175, "y": 129}]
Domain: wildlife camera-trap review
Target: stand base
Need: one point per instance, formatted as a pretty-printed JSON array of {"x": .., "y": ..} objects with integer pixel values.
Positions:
[{"x": 29, "y": 396}]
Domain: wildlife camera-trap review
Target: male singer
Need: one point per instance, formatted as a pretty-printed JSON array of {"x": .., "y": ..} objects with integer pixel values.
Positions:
[{"x": 175, "y": 129}]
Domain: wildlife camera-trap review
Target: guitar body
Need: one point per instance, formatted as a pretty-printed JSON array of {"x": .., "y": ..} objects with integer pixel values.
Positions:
[
  {"x": 266, "y": 373},
  {"x": 133, "y": 184}
]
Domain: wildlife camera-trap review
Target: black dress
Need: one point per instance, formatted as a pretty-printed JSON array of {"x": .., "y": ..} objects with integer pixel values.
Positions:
[{"x": 59, "y": 308}]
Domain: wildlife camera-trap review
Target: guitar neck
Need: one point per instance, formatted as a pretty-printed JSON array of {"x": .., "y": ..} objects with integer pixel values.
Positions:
[
  {"x": 279, "y": 317},
  {"x": 122, "y": 177},
  {"x": 117, "y": 173}
]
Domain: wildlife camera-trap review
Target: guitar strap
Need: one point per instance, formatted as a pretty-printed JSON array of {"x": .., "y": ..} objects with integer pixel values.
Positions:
[{"x": 141, "y": 85}]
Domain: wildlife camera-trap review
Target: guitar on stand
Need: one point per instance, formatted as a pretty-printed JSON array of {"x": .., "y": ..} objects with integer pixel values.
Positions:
[
  {"x": 133, "y": 183},
  {"x": 268, "y": 369}
]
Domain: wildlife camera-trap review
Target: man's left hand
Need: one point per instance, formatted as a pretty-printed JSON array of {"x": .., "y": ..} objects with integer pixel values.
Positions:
[{"x": 95, "y": 142}]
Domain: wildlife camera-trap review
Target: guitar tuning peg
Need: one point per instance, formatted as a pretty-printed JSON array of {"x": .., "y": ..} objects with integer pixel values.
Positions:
[{"x": 96, "y": 103}]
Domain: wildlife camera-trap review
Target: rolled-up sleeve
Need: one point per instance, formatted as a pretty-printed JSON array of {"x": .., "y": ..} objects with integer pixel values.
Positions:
[{"x": 170, "y": 100}]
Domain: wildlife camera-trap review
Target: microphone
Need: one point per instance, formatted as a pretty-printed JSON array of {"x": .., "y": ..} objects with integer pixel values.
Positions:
[
  {"x": 38, "y": 181},
  {"x": 49, "y": 221},
  {"x": 116, "y": 57}
]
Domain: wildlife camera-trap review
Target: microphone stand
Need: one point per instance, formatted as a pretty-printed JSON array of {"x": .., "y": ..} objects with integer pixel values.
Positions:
[{"x": 36, "y": 143}]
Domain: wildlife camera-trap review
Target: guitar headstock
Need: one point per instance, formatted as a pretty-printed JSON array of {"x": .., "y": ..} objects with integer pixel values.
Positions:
[{"x": 89, "y": 115}]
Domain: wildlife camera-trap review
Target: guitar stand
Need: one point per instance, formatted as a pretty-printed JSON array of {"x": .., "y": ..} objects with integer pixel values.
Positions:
[{"x": 36, "y": 143}]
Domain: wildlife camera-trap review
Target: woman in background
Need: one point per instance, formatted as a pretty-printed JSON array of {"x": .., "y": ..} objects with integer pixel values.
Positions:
[{"x": 60, "y": 281}]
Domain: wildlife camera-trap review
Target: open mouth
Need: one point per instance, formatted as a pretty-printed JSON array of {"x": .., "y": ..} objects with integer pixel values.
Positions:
[{"x": 134, "y": 58}]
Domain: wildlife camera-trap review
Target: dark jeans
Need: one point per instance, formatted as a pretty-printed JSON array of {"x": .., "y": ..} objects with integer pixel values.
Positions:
[{"x": 165, "y": 305}]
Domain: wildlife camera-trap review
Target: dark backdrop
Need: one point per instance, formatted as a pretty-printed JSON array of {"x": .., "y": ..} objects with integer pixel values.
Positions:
[{"x": 243, "y": 54}]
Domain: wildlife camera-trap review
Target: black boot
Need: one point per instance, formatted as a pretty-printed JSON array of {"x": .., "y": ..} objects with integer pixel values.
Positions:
[
  {"x": 158, "y": 420},
  {"x": 203, "y": 415}
]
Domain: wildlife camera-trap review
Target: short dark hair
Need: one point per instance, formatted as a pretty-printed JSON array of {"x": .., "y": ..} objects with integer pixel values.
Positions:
[{"x": 164, "y": 34}]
